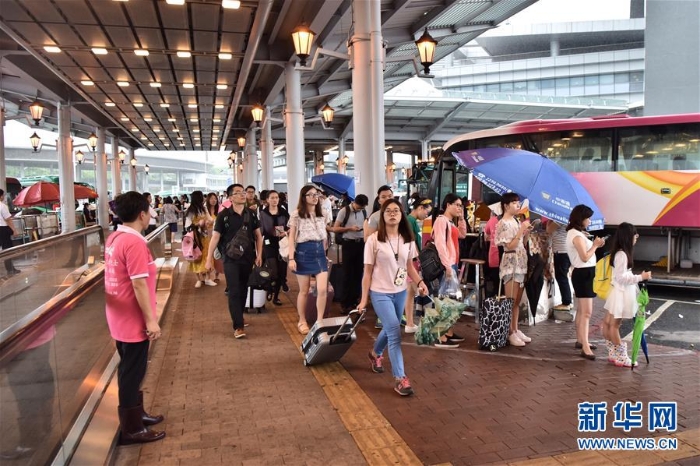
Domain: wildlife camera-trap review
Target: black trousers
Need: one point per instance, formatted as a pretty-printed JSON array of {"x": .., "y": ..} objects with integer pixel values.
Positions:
[
  {"x": 561, "y": 271},
  {"x": 353, "y": 267},
  {"x": 237, "y": 274},
  {"x": 131, "y": 371},
  {"x": 273, "y": 252},
  {"x": 6, "y": 243}
]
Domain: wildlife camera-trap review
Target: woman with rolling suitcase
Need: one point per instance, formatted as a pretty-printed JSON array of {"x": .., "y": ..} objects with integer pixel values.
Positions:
[{"x": 389, "y": 254}]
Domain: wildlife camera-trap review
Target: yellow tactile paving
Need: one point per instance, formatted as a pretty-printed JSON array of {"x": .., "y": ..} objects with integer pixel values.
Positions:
[{"x": 377, "y": 440}]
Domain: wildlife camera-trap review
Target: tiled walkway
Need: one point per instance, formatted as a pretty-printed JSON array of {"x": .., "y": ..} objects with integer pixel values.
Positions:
[{"x": 252, "y": 401}]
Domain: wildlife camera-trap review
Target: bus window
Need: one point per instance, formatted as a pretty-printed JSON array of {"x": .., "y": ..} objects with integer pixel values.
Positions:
[
  {"x": 446, "y": 183},
  {"x": 669, "y": 147},
  {"x": 577, "y": 151},
  {"x": 508, "y": 142}
]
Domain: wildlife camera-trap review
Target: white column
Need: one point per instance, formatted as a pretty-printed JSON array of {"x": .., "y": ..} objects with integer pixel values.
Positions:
[
  {"x": 132, "y": 171},
  {"x": 342, "y": 166},
  {"x": 362, "y": 100},
  {"x": 251, "y": 155},
  {"x": 3, "y": 172},
  {"x": 65, "y": 169},
  {"x": 389, "y": 172},
  {"x": 377, "y": 86},
  {"x": 424, "y": 150},
  {"x": 294, "y": 132},
  {"x": 101, "y": 179},
  {"x": 116, "y": 168},
  {"x": 266, "y": 147}
]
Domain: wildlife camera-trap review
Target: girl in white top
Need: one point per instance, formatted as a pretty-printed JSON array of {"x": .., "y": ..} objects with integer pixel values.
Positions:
[
  {"x": 389, "y": 254},
  {"x": 581, "y": 251},
  {"x": 622, "y": 300}
]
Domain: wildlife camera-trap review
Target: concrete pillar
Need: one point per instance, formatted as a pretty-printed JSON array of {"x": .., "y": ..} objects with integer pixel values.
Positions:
[
  {"x": 424, "y": 150},
  {"x": 101, "y": 178},
  {"x": 377, "y": 86},
  {"x": 342, "y": 166},
  {"x": 294, "y": 132},
  {"x": 361, "y": 99},
  {"x": 554, "y": 47},
  {"x": 65, "y": 169},
  {"x": 132, "y": 170},
  {"x": 3, "y": 171},
  {"x": 116, "y": 168},
  {"x": 672, "y": 62},
  {"x": 266, "y": 147},
  {"x": 251, "y": 155},
  {"x": 389, "y": 171}
]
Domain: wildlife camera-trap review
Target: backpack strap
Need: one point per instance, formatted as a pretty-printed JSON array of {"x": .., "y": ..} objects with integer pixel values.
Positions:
[{"x": 347, "y": 215}]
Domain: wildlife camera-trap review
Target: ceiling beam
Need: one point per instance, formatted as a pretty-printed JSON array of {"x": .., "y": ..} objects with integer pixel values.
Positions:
[{"x": 431, "y": 130}]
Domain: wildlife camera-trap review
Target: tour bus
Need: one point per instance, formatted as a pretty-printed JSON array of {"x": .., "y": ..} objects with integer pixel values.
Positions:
[{"x": 642, "y": 170}]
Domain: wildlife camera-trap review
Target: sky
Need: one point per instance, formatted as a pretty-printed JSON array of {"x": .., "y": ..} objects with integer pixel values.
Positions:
[{"x": 544, "y": 11}]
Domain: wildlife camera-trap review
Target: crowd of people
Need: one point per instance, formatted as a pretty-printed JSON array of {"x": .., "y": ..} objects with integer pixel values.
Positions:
[{"x": 242, "y": 230}]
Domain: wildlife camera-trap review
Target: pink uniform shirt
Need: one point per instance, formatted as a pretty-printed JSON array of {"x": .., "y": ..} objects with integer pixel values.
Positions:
[{"x": 127, "y": 258}]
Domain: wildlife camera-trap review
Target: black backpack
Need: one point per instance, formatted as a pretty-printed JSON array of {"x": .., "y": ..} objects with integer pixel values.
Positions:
[
  {"x": 430, "y": 264},
  {"x": 339, "y": 236},
  {"x": 242, "y": 241}
]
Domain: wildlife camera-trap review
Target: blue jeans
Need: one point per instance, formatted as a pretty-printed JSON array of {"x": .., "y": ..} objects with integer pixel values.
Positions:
[{"x": 389, "y": 309}]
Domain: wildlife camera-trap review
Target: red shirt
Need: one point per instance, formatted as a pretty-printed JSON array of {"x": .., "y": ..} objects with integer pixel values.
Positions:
[{"x": 127, "y": 258}]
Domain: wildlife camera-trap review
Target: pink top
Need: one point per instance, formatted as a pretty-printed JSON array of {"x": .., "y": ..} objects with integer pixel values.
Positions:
[
  {"x": 381, "y": 255},
  {"x": 225, "y": 205},
  {"x": 447, "y": 250},
  {"x": 490, "y": 232},
  {"x": 127, "y": 258}
]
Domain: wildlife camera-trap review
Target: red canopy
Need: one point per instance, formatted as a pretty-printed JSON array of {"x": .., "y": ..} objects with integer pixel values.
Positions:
[{"x": 43, "y": 192}]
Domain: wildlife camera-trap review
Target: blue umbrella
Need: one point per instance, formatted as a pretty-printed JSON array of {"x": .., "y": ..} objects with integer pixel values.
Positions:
[
  {"x": 551, "y": 190},
  {"x": 336, "y": 184}
]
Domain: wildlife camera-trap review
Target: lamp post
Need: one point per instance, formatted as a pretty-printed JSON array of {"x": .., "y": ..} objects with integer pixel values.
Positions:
[
  {"x": 327, "y": 112},
  {"x": 35, "y": 140},
  {"x": 241, "y": 142},
  {"x": 79, "y": 157},
  {"x": 36, "y": 111},
  {"x": 92, "y": 142},
  {"x": 303, "y": 39},
  {"x": 426, "y": 49},
  {"x": 122, "y": 156},
  {"x": 146, "y": 169},
  {"x": 257, "y": 111}
]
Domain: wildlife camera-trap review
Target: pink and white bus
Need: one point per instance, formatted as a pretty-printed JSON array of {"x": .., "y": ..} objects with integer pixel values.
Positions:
[{"x": 642, "y": 170}]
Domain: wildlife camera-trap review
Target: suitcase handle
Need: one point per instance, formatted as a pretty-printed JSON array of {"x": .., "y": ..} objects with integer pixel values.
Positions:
[{"x": 349, "y": 319}]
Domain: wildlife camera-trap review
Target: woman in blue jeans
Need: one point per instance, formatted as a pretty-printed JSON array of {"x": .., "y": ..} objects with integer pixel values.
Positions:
[{"x": 389, "y": 254}]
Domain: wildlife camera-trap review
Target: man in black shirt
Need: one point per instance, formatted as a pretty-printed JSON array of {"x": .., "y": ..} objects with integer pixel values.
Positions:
[{"x": 237, "y": 271}]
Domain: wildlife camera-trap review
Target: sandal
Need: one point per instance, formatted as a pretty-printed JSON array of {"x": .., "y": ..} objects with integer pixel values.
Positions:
[{"x": 303, "y": 328}]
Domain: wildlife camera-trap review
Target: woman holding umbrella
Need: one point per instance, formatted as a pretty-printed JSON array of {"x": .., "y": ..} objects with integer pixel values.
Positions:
[
  {"x": 622, "y": 300},
  {"x": 581, "y": 251}
]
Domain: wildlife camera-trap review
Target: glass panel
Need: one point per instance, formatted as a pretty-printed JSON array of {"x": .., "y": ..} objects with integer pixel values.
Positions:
[
  {"x": 607, "y": 79},
  {"x": 622, "y": 78},
  {"x": 578, "y": 151},
  {"x": 547, "y": 83},
  {"x": 670, "y": 147},
  {"x": 506, "y": 87},
  {"x": 509, "y": 142}
]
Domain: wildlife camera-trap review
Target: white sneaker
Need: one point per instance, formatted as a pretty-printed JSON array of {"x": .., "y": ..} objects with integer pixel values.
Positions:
[
  {"x": 410, "y": 328},
  {"x": 210, "y": 282},
  {"x": 514, "y": 340},
  {"x": 198, "y": 284},
  {"x": 523, "y": 337}
]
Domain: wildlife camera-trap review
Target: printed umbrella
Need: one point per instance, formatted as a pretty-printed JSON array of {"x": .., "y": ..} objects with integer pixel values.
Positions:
[
  {"x": 638, "y": 339},
  {"x": 43, "y": 192},
  {"x": 336, "y": 183},
  {"x": 551, "y": 190},
  {"x": 437, "y": 321}
]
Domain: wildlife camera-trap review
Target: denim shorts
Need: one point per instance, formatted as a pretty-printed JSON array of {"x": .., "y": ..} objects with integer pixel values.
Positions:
[{"x": 310, "y": 258}]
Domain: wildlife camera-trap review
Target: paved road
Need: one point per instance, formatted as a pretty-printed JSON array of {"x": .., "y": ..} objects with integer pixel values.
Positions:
[{"x": 674, "y": 318}]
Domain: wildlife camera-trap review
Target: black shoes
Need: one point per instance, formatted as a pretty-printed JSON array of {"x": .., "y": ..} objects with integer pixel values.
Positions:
[
  {"x": 455, "y": 338},
  {"x": 578, "y": 345},
  {"x": 277, "y": 302},
  {"x": 285, "y": 287},
  {"x": 590, "y": 357}
]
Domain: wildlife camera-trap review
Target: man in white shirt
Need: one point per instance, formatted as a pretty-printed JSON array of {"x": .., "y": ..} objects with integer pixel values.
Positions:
[{"x": 6, "y": 232}]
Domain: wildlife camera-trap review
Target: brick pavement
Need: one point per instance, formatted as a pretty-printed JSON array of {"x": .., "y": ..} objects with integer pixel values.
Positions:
[{"x": 238, "y": 402}]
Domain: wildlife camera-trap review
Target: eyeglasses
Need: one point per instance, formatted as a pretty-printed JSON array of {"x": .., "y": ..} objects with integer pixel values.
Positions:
[
  {"x": 237, "y": 193},
  {"x": 312, "y": 195},
  {"x": 392, "y": 211}
]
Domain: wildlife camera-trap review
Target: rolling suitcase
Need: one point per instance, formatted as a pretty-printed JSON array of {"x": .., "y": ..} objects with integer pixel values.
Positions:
[
  {"x": 494, "y": 323},
  {"x": 310, "y": 309},
  {"x": 329, "y": 339}
]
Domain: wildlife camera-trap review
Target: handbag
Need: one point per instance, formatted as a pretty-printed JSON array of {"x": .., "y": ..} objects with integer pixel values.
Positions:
[
  {"x": 478, "y": 249},
  {"x": 191, "y": 249},
  {"x": 284, "y": 248}
]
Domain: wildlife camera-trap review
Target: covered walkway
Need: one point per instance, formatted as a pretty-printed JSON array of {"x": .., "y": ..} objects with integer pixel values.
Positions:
[{"x": 251, "y": 401}]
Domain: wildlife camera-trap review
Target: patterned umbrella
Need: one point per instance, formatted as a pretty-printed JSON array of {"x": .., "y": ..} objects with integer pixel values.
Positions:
[
  {"x": 437, "y": 321},
  {"x": 639, "y": 321}
]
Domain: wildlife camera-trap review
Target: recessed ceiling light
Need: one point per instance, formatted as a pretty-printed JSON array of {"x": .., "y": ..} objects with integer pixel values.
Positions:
[
  {"x": 150, "y": 144},
  {"x": 188, "y": 85},
  {"x": 215, "y": 131},
  {"x": 165, "y": 105},
  {"x": 221, "y": 86},
  {"x": 138, "y": 104},
  {"x": 166, "y": 144},
  {"x": 219, "y": 106},
  {"x": 134, "y": 130},
  {"x": 196, "y": 130},
  {"x": 156, "y": 130},
  {"x": 87, "y": 83},
  {"x": 124, "y": 119},
  {"x": 155, "y": 84},
  {"x": 184, "y": 54},
  {"x": 196, "y": 138},
  {"x": 123, "y": 83},
  {"x": 175, "y": 2},
  {"x": 147, "y": 119},
  {"x": 225, "y": 56},
  {"x": 198, "y": 145},
  {"x": 99, "y": 51},
  {"x": 141, "y": 52},
  {"x": 180, "y": 138},
  {"x": 231, "y": 4},
  {"x": 172, "y": 119},
  {"x": 192, "y": 105},
  {"x": 216, "y": 120},
  {"x": 175, "y": 130},
  {"x": 194, "y": 119},
  {"x": 110, "y": 104},
  {"x": 162, "y": 138},
  {"x": 143, "y": 138},
  {"x": 52, "y": 49}
]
